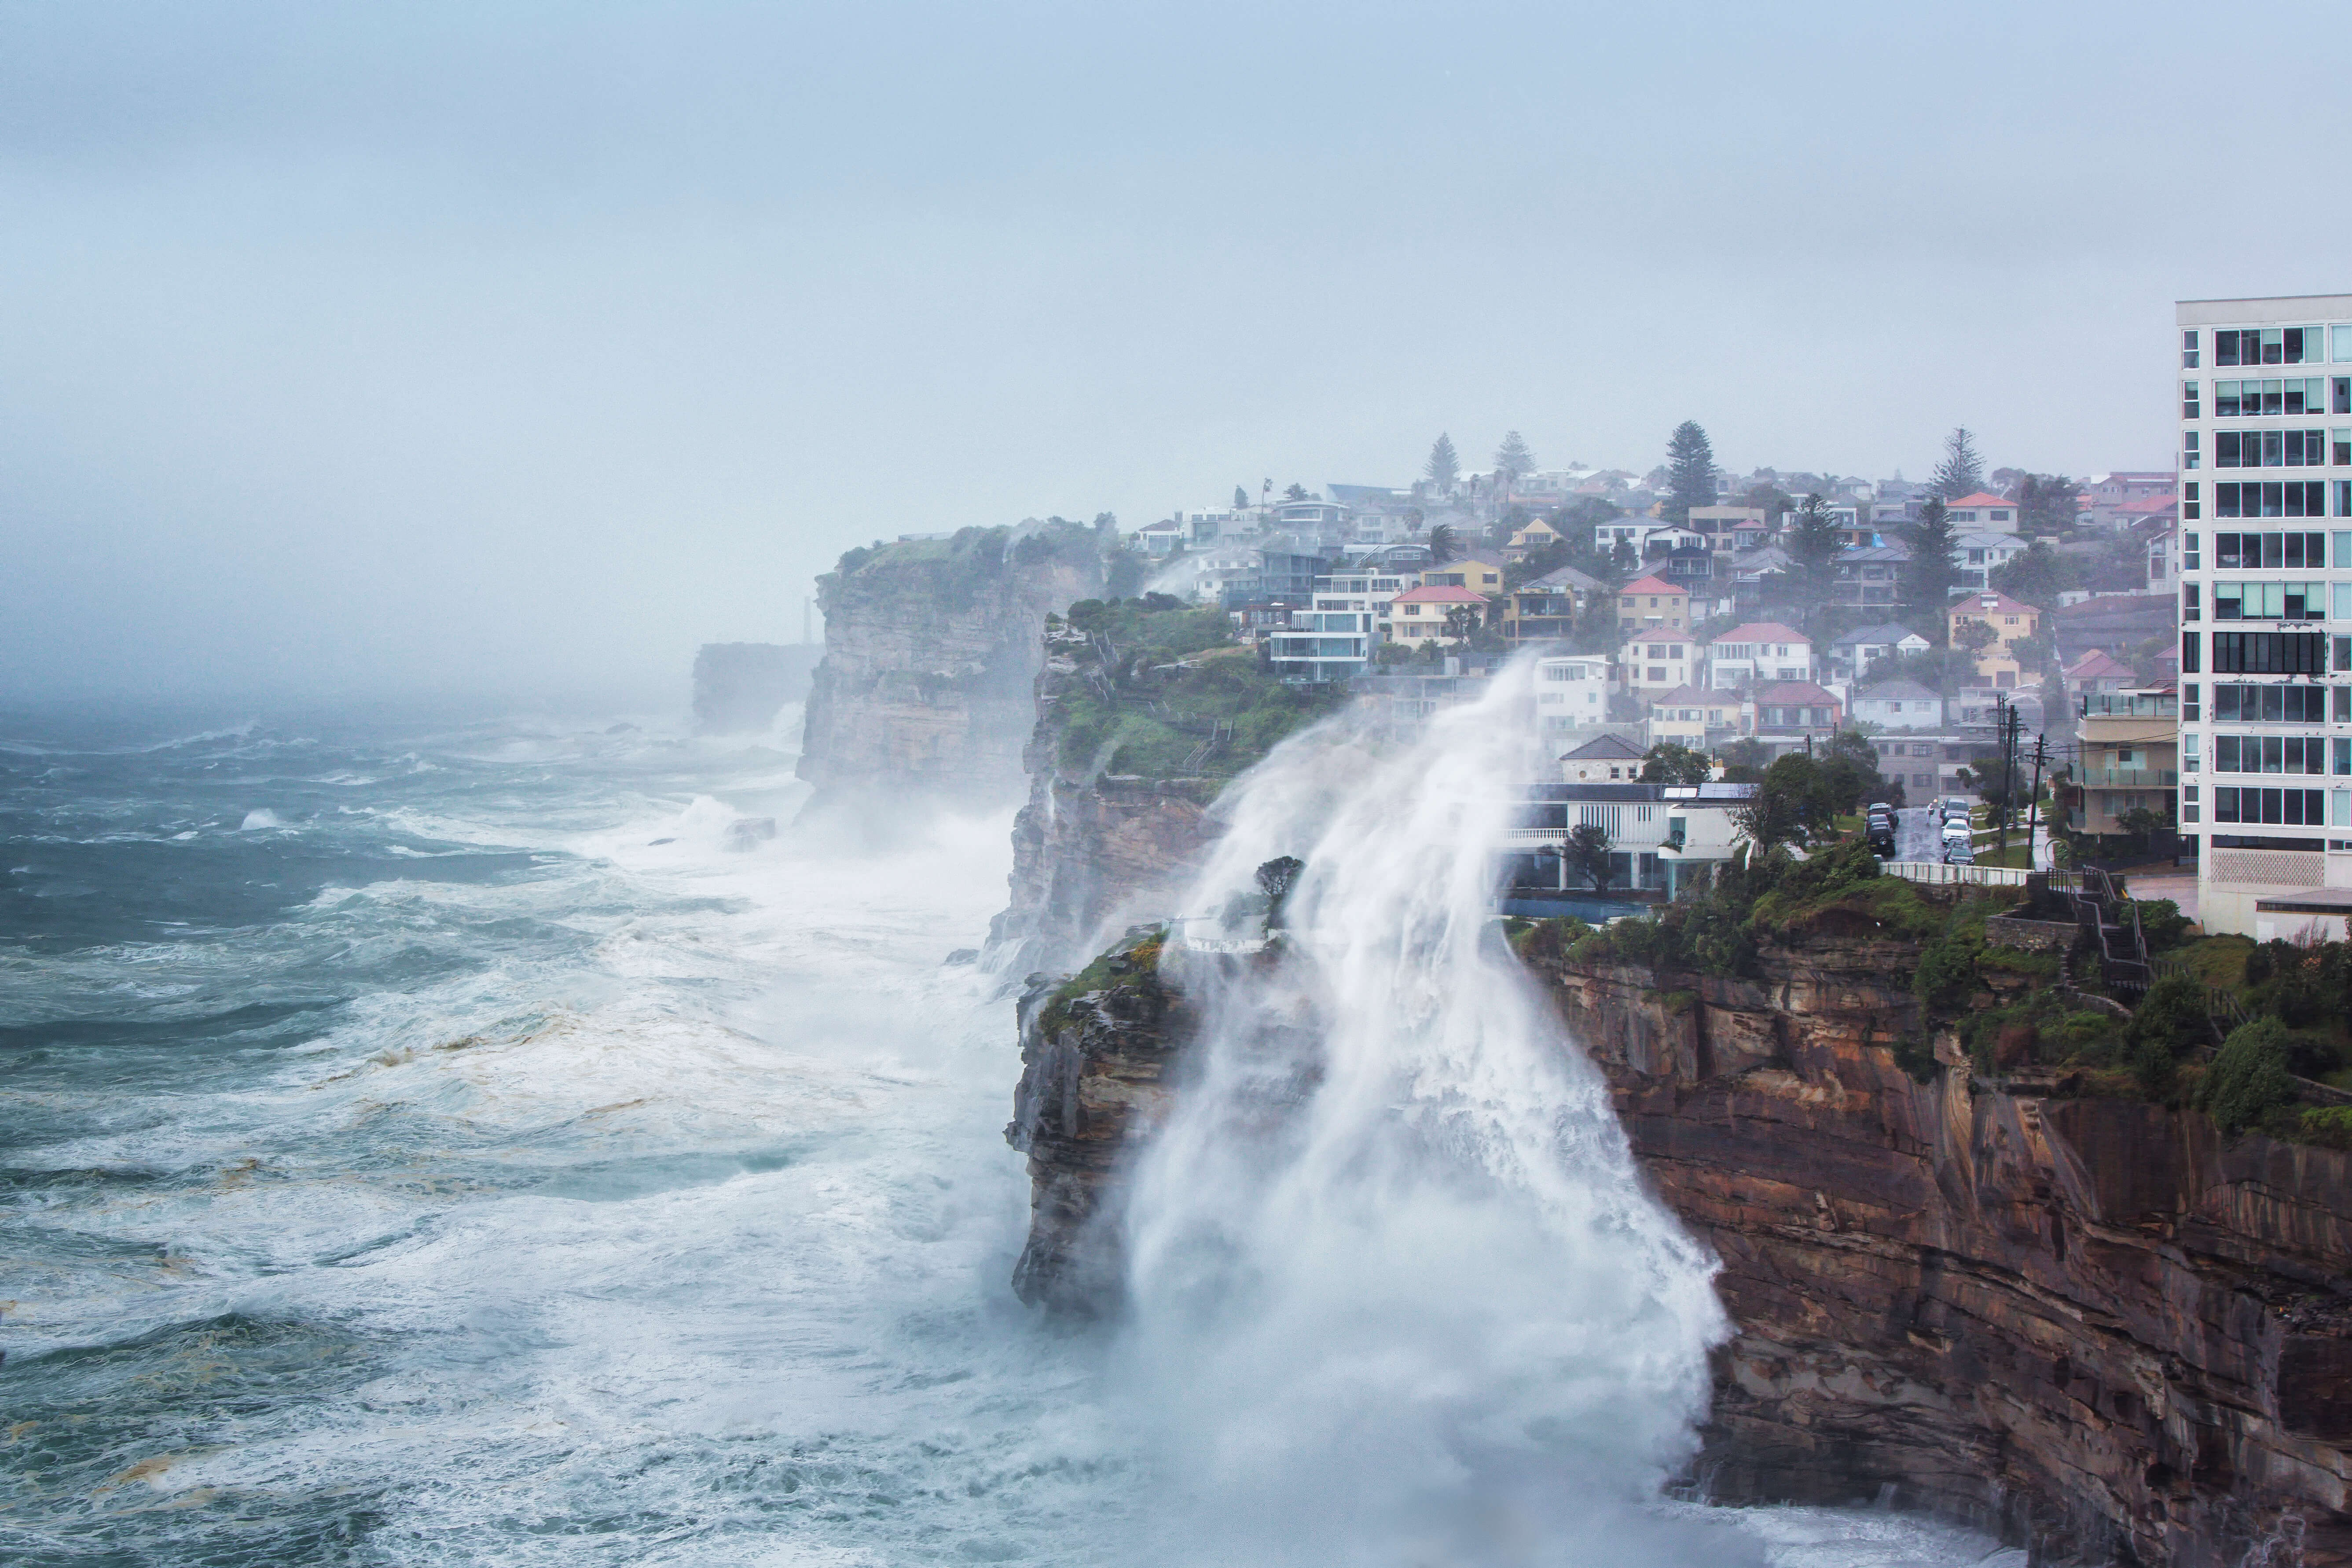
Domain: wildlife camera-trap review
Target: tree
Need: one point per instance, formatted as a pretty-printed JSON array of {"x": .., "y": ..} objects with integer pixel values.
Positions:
[
  {"x": 2248, "y": 1077},
  {"x": 1690, "y": 472},
  {"x": 1513, "y": 461},
  {"x": 1444, "y": 544},
  {"x": 1275, "y": 880},
  {"x": 1668, "y": 763},
  {"x": 2038, "y": 575},
  {"x": 1961, "y": 473},
  {"x": 1771, "y": 500},
  {"x": 1460, "y": 622},
  {"x": 2142, "y": 823},
  {"x": 1813, "y": 547},
  {"x": 1588, "y": 851},
  {"x": 1793, "y": 803},
  {"x": 1622, "y": 562},
  {"x": 1241, "y": 499},
  {"x": 1975, "y": 636},
  {"x": 1444, "y": 466},
  {"x": 1930, "y": 577},
  {"x": 1849, "y": 770},
  {"x": 2046, "y": 503},
  {"x": 1295, "y": 493}
]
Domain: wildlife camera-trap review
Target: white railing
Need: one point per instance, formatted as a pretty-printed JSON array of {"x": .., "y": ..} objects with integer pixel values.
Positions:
[{"x": 1936, "y": 874}]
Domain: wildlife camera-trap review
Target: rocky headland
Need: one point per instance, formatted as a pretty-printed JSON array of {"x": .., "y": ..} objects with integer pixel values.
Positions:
[
  {"x": 1961, "y": 1282},
  {"x": 931, "y": 646}
]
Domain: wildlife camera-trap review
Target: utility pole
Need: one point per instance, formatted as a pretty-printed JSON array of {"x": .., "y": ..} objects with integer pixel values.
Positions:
[{"x": 2033, "y": 801}]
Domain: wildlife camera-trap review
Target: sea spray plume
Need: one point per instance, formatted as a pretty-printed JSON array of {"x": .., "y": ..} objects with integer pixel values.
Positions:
[{"x": 1397, "y": 1295}]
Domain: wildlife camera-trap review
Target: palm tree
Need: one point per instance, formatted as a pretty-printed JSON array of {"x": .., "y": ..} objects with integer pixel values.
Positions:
[{"x": 1444, "y": 544}]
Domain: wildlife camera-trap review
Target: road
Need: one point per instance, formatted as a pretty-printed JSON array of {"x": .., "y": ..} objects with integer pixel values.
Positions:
[{"x": 1919, "y": 835}]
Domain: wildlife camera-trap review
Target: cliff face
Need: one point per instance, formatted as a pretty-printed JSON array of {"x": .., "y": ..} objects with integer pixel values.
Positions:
[
  {"x": 930, "y": 647},
  {"x": 2089, "y": 1323},
  {"x": 1091, "y": 852}
]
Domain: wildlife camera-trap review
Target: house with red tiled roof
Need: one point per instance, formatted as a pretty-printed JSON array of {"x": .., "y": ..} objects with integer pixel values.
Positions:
[
  {"x": 1982, "y": 514},
  {"x": 2099, "y": 670},
  {"x": 1440, "y": 613},
  {"x": 1652, "y": 604},
  {"x": 1758, "y": 650},
  {"x": 1790, "y": 708}
]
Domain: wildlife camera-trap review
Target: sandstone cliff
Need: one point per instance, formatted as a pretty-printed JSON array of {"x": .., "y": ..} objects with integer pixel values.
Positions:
[
  {"x": 2089, "y": 1323},
  {"x": 930, "y": 648}
]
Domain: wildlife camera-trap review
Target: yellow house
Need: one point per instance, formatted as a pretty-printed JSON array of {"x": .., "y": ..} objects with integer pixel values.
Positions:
[
  {"x": 1482, "y": 577},
  {"x": 1535, "y": 536},
  {"x": 2011, "y": 623},
  {"x": 1443, "y": 613},
  {"x": 1651, "y": 603}
]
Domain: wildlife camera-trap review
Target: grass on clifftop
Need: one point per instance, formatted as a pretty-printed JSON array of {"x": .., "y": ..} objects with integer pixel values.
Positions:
[{"x": 1178, "y": 679}]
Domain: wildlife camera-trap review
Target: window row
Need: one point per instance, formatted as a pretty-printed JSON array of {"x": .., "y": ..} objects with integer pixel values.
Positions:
[
  {"x": 2269, "y": 345},
  {"x": 2262, "y": 399},
  {"x": 2299, "y": 498},
  {"x": 2270, "y": 753},
  {"x": 2268, "y": 551},
  {"x": 2273, "y": 704},
  {"x": 2288, "y": 808},
  {"x": 2269, "y": 448},
  {"x": 2270, "y": 601},
  {"x": 2259, "y": 653}
]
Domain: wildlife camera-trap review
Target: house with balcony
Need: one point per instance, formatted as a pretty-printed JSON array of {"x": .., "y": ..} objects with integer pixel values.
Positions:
[
  {"x": 1694, "y": 716},
  {"x": 1475, "y": 573},
  {"x": 1536, "y": 535},
  {"x": 1571, "y": 694},
  {"x": 1790, "y": 712},
  {"x": 1651, "y": 603},
  {"x": 1977, "y": 554},
  {"x": 1439, "y": 615},
  {"x": 1322, "y": 645},
  {"x": 1725, "y": 527},
  {"x": 1758, "y": 651},
  {"x": 1853, "y": 655},
  {"x": 1162, "y": 538},
  {"x": 1549, "y": 607},
  {"x": 2129, "y": 745},
  {"x": 1662, "y": 839},
  {"x": 1869, "y": 577}
]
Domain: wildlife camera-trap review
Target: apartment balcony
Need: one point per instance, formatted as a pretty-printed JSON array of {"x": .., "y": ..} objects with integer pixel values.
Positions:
[
  {"x": 2127, "y": 778},
  {"x": 2128, "y": 705}
]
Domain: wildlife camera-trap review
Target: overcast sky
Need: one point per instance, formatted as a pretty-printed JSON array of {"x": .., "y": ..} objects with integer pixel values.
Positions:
[{"x": 523, "y": 347}]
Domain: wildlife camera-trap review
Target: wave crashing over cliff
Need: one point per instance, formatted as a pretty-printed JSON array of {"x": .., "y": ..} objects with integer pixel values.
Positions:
[{"x": 1398, "y": 1293}]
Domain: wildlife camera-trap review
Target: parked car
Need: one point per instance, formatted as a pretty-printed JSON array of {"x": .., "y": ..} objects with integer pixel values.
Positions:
[
  {"x": 1955, "y": 805},
  {"x": 1959, "y": 852}
]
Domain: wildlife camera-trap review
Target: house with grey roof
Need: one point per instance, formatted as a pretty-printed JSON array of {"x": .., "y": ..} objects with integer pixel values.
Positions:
[
  {"x": 1899, "y": 705},
  {"x": 1853, "y": 654}
]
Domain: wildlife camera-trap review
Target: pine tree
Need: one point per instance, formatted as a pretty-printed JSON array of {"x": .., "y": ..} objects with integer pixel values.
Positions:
[
  {"x": 1931, "y": 576},
  {"x": 1444, "y": 466},
  {"x": 1961, "y": 473},
  {"x": 1812, "y": 546},
  {"x": 1513, "y": 461},
  {"x": 1690, "y": 472},
  {"x": 1241, "y": 499}
]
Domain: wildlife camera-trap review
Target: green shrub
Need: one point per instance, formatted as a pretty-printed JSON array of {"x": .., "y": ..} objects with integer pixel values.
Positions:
[
  {"x": 1946, "y": 975},
  {"x": 1916, "y": 1056},
  {"x": 2330, "y": 1126},
  {"x": 2249, "y": 1079},
  {"x": 2161, "y": 921}
]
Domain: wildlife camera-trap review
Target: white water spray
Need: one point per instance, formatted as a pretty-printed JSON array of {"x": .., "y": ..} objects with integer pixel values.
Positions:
[{"x": 1399, "y": 1295}]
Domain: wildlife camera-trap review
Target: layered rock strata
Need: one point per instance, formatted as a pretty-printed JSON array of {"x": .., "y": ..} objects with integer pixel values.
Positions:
[
  {"x": 931, "y": 649},
  {"x": 1092, "y": 852},
  {"x": 2091, "y": 1324}
]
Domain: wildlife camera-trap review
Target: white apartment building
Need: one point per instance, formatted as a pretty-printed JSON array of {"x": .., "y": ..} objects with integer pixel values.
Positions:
[
  {"x": 1572, "y": 693},
  {"x": 1758, "y": 651},
  {"x": 2265, "y": 574},
  {"x": 1651, "y": 662}
]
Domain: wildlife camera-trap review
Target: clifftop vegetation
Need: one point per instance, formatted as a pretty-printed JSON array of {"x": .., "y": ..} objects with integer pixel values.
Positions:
[
  {"x": 962, "y": 564},
  {"x": 1168, "y": 693}
]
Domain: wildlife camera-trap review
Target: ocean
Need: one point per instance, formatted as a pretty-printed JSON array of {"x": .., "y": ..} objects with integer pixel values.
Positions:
[{"x": 477, "y": 1143}]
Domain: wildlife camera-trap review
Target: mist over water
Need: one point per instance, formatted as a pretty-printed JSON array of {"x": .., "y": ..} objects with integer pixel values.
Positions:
[{"x": 439, "y": 1146}]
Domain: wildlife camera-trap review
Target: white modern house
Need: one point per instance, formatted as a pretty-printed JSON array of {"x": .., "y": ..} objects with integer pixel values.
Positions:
[
  {"x": 1659, "y": 661},
  {"x": 1572, "y": 693},
  {"x": 1897, "y": 705},
  {"x": 1660, "y": 836},
  {"x": 1851, "y": 655},
  {"x": 1758, "y": 651}
]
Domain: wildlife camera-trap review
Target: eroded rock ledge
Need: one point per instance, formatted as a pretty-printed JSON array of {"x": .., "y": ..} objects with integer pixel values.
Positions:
[{"x": 2090, "y": 1325}]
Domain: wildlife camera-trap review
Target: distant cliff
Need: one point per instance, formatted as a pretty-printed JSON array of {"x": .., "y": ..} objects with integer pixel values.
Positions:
[
  {"x": 931, "y": 649},
  {"x": 740, "y": 687},
  {"x": 2075, "y": 1317}
]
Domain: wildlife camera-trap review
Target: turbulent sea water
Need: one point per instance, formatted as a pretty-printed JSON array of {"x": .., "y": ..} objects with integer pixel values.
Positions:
[{"x": 456, "y": 1145}]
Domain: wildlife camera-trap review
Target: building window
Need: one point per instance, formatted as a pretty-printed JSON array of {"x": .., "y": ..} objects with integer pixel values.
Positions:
[
  {"x": 2268, "y": 551},
  {"x": 2189, "y": 703},
  {"x": 2299, "y": 499},
  {"x": 2188, "y": 350},
  {"x": 2256, "y": 399},
  {"x": 2189, "y": 456},
  {"x": 2190, "y": 559},
  {"x": 2288, "y": 808},
  {"x": 2267, "y": 346},
  {"x": 2189, "y": 610},
  {"x": 2270, "y": 449},
  {"x": 2260, "y": 653},
  {"x": 2270, "y": 704},
  {"x": 2190, "y": 402},
  {"x": 2269, "y": 601}
]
